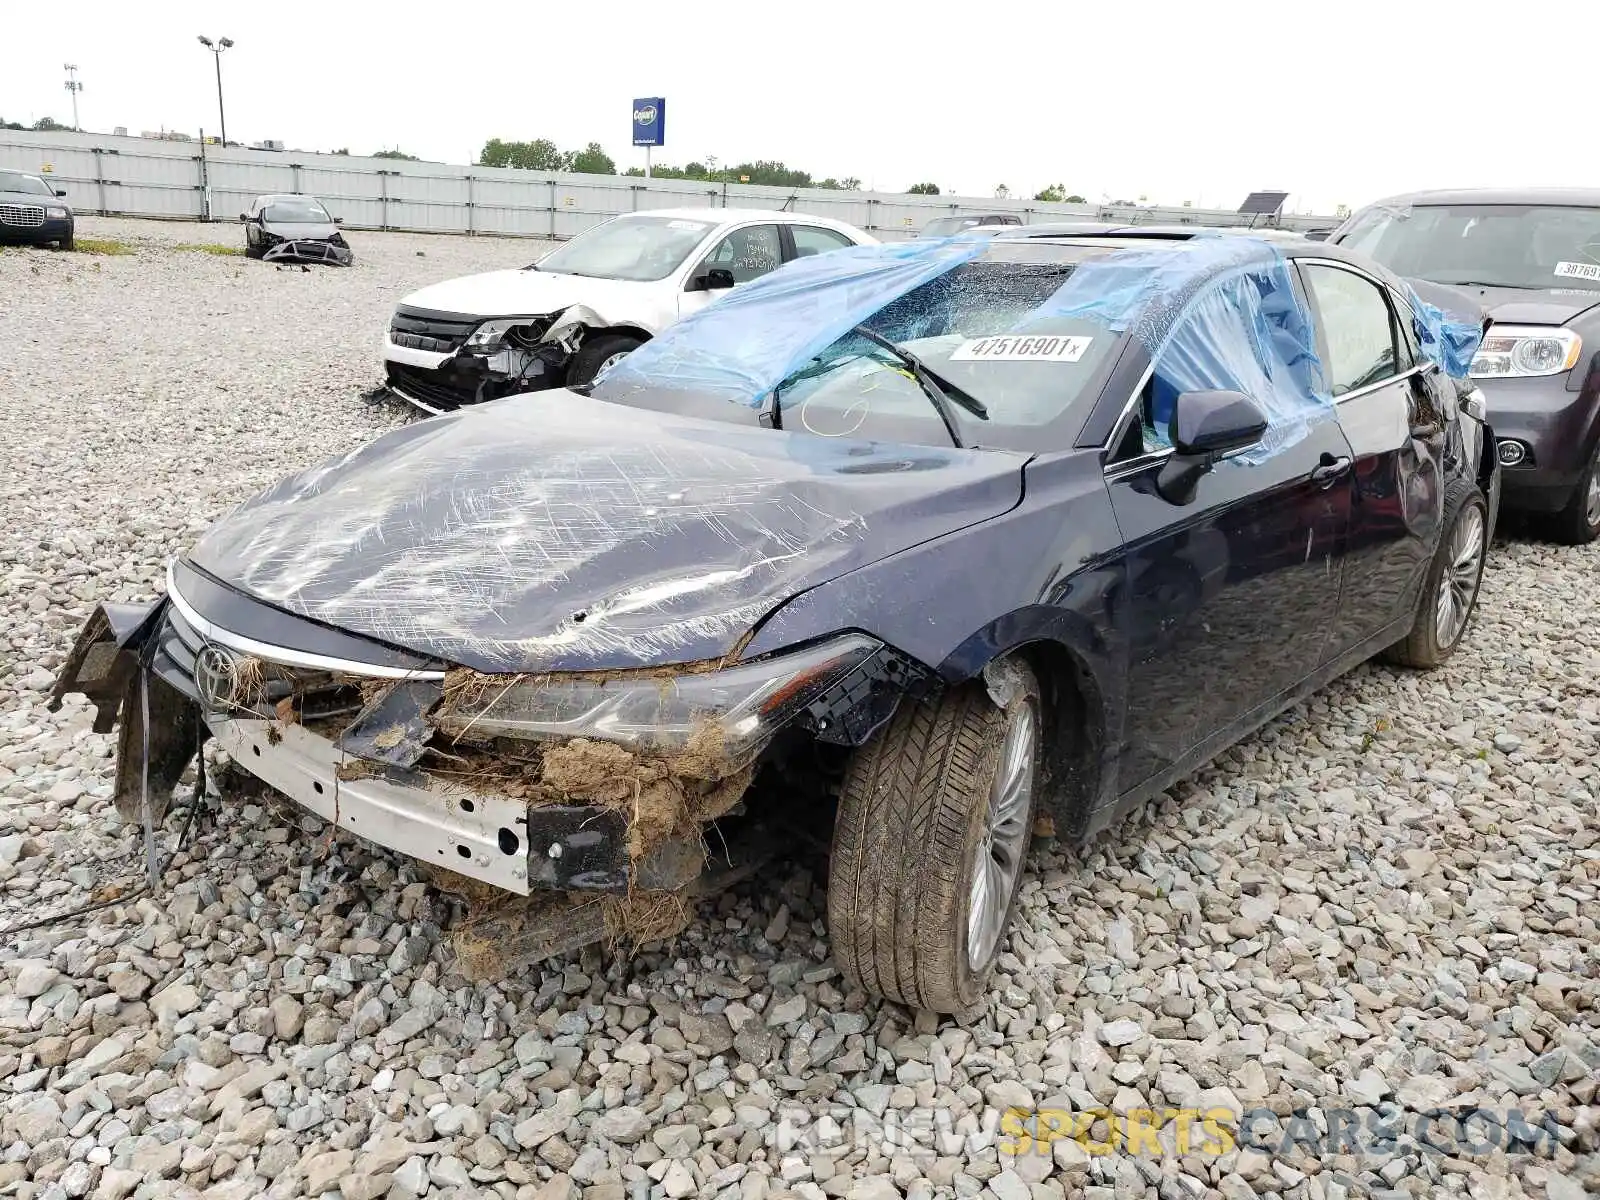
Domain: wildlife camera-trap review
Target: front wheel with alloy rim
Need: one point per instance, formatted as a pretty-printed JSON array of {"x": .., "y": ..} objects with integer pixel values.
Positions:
[
  {"x": 1450, "y": 592},
  {"x": 1578, "y": 523},
  {"x": 596, "y": 354},
  {"x": 928, "y": 847}
]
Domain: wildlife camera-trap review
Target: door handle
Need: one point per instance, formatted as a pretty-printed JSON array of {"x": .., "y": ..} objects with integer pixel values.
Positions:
[{"x": 1330, "y": 470}]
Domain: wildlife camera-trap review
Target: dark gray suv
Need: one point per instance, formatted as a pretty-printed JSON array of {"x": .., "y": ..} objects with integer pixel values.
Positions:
[{"x": 1531, "y": 256}]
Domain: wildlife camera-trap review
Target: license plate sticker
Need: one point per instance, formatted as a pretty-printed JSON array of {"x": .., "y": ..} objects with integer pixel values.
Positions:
[
  {"x": 1572, "y": 270},
  {"x": 1015, "y": 348}
]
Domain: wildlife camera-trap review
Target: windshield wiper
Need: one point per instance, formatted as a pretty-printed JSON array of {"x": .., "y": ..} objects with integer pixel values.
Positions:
[
  {"x": 939, "y": 390},
  {"x": 1523, "y": 287}
]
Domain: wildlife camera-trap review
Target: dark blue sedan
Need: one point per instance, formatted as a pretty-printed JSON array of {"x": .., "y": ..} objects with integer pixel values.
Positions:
[{"x": 981, "y": 536}]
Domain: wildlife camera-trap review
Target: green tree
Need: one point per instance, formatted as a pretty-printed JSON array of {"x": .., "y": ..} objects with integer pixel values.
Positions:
[
  {"x": 1056, "y": 193},
  {"x": 344, "y": 150},
  {"x": 769, "y": 173},
  {"x": 923, "y": 189},
  {"x": 396, "y": 153},
  {"x": 50, "y": 125},
  {"x": 1075, "y": 199},
  {"x": 591, "y": 160},
  {"x": 538, "y": 155},
  {"x": 12, "y": 125}
]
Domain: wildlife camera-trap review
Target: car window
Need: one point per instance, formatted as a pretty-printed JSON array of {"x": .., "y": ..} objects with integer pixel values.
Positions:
[
  {"x": 1498, "y": 245},
  {"x": 1358, "y": 327},
  {"x": 813, "y": 239},
  {"x": 748, "y": 253}
]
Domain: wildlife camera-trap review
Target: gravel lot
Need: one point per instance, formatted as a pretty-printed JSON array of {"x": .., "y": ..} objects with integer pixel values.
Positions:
[{"x": 1389, "y": 895}]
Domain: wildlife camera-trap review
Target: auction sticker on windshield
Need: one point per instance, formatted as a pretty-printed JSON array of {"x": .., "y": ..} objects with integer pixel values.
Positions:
[
  {"x": 1574, "y": 270},
  {"x": 1011, "y": 348}
]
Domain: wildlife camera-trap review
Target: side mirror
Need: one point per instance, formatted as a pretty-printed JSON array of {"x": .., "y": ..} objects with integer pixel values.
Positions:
[
  {"x": 338, "y": 220},
  {"x": 1205, "y": 426},
  {"x": 715, "y": 279},
  {"x": 61, "y": 192},
  {"x": 244, "y": 216}
]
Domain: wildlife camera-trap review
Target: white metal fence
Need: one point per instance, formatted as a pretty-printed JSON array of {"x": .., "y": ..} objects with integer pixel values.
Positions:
[{"x": 145, "y": 177}]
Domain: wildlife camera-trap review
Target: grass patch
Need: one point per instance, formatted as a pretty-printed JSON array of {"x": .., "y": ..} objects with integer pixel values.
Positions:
[
  {"x": 212, "y": 248},
  {"x": 101, "y": 246}
]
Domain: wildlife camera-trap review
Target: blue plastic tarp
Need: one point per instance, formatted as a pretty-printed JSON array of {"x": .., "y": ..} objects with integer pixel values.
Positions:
[
  {"x": 1449, "y": 341},
  {"x": 1213, "y": 312},
  {"x": 747, "y": 342}
]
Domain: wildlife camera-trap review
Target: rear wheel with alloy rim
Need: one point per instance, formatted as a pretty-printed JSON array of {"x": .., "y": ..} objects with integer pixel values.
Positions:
[
  {"x": 1450, "y": 593},
  {"x": 1579, "y": 523},
  {"x": 929, "y": 845}
]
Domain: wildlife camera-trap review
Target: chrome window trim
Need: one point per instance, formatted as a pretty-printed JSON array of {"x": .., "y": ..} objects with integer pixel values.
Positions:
[{"x": 280, "y": 655}]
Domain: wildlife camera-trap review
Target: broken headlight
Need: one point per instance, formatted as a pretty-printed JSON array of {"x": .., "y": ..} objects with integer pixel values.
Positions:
[
  {"x": 737, "y": 708},
  {"x": 493, "y": 335}
]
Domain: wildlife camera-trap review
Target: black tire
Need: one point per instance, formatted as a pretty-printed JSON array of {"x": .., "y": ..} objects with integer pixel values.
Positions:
[
  {"x": 1424, "y": 648},
  {"x": 1578, "y": 523},
  {"x": 67, "y": 243},
  {"x": 906, "y": 843},
  {"x": 594, "y": 352},
  {"x": 253, "y": 251}
]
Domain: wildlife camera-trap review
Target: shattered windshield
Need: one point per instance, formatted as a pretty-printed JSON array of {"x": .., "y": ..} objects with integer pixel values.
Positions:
[
  {"x": 296, "y": 212},
  {"x": 15, "y": 181},
  {"x": 637, "y": 248},
  {"x": 1494, "y": 245},
  {"x": 960, "y": 326}
]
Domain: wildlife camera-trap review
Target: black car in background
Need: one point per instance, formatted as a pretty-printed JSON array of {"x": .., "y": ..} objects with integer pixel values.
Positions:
[
  {"x": 1531, "y": 256},
  {"x": 294, "y": 228},
  {"x": 33, "y": 212}
]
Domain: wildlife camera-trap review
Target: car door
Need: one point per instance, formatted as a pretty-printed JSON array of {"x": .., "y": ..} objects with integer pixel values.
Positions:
[
  {"x": 746, "y": 253},
  {"x": 1228, "y": 598},
  {"x": 1384, "y": 396}
]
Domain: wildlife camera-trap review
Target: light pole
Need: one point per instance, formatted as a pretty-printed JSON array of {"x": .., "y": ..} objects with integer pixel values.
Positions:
[
  {"x": 216, "y": 49},
  {"x": 74, "y": 87}
]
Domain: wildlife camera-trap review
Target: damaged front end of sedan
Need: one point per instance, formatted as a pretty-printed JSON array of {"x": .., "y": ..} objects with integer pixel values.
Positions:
[
  {"x": 565, "y": 808},
  {"x": 487, "y": 359},
  {"x": 332, "y": 251},
  {"x": 515, "y": 645}
]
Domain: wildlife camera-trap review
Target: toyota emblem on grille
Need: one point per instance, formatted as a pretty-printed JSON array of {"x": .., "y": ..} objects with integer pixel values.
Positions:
[{"x": 216, "y": 677}]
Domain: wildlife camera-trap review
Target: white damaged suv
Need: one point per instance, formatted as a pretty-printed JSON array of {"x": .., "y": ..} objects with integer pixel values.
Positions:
[{"x": 559, "y": 321}]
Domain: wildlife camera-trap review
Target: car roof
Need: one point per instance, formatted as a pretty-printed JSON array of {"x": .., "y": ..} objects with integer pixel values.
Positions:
[
  {"x": 286, "y": 196},
  {"x": 1569, "y": 197}
]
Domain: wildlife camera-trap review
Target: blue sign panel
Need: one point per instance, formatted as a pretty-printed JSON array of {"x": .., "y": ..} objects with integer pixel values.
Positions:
[{"x": 650, "y": 121}]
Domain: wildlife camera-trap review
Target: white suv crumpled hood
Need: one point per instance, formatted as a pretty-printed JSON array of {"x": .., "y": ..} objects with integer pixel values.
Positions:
[{"x": 534, "y": 293}]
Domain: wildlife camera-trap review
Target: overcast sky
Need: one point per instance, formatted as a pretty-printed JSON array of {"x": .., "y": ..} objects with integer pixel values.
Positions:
[{"x": 1335, "y": 102}]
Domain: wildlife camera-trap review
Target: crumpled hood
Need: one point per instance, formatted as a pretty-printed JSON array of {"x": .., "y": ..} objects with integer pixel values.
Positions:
[
  {"x": 1519, "y": 306},
  {"x": 529, "y": 293},
  {"x": 301, "y": 231},
  {"x": 550, "y": 531}
]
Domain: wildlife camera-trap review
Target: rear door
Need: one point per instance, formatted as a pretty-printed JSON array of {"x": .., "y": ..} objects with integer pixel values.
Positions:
[
  {"x": 802, "y": 241},
  {"x": 1384, "y": 394},
  {"x": 1229, "y": 598}
]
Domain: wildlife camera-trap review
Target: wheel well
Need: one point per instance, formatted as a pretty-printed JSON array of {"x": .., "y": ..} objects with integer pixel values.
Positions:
[
  {"x": 632, "y": 331},
  {"x": 1074, "y": 732}
]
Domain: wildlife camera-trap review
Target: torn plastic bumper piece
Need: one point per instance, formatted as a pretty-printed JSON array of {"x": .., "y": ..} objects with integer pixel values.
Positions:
[{"x": 310, "y": 251}]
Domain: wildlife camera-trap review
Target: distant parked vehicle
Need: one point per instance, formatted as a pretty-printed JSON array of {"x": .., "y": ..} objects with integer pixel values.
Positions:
[
  {"x": 561, "y": 320},
  {"x": 945, "y": 226},
  {"x": 294, "y": 228},
  {"x": 33, "y": 212},
  {"x": 1531, "y": 256}
]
